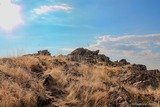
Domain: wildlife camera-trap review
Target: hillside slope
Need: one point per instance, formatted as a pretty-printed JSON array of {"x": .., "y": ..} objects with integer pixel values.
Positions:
[{"x": 83, "y": 78}]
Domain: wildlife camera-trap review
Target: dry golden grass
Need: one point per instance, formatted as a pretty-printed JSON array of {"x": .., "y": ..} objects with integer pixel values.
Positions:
[{"x": 19, "y": 86}]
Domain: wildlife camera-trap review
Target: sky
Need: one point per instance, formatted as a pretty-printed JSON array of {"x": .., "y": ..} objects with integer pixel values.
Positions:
[{"x": 127, "y": 29}]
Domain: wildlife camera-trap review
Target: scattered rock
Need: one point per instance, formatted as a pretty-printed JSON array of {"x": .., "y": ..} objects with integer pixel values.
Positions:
[
  {"x": 119, "y": 96},
  {"x": 154, "y": 74},
  {"x": 137, "y": 67},
  {"x": 121, "y": 63},
  {"x": 51, "y": 85},
  {"x": 107, "y": 84},
  {"x": 71, "y": 88},
  {"x": 36, "y": 68},
  {"x": 56, "y": 62},
  {"x": 125, "y": 104},
  {"x": 144, "y": 79},
  {"x": 41, "y": 52},
  {"x": 49, "y": 81},
  {"x": 76, "y": 64},
  {"x": 146, "y": 98},
  {"x": 57, "y": 92},
  {"x": 41, "y": 102},
  {"x": 75, "y": 73},
  {"x": 103, "y": 58}
]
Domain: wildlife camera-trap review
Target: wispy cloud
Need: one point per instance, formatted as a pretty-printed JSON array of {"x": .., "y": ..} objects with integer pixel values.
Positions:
[
  {"x": 67, "y": 49},
  {"x": 51, "y": 8}
]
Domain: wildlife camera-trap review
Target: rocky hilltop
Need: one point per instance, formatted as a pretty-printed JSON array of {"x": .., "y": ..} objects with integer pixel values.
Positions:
[{"x": 83, "y": 78}]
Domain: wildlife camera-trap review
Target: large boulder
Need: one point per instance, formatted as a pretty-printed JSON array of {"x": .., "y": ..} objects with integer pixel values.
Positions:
[
  {"x": 44, "y": 52},
  {"x": 81, "y": 54},
  {"x": 123, "y": 62},
  {"x": 85, "y": 55}
]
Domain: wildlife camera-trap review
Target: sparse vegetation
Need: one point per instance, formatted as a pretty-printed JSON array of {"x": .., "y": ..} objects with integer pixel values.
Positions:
[{"x": 49, "y": 81}]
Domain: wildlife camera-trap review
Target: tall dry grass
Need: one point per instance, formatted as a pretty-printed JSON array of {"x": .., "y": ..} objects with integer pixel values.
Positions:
[{"x": 20, "y": 86}]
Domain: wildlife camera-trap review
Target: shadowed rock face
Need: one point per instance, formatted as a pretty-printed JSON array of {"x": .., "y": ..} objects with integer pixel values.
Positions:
[
  {"x": 36, "y": 68},
  {"x": 81, "y": 54},
  {"x": 137, "y": 67},
  {"x": 123, "y": 62},
  {"x": 44, "y": 52},
  {"x": 144, "y": 79}
]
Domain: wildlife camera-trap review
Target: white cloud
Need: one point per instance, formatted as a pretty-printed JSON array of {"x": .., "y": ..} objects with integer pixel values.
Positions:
[
  {"x": 51, "y": 8},
  {"x": 158, "y": 43},
  {"x": 67, "y": 49},
  {"x": 137, "y": 48},
  {"x": 10, "y": 16}
]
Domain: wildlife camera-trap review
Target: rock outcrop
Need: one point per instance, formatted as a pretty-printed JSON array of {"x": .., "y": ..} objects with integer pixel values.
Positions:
[
  {"x": 83, "y": 78},
  {"x": 44, "y": 52},
  {"x": 137, "y": 67},
  {"x": 88, "y": 56},
  {"x": 41, "y": 52},
  {"x": 144, "y": 79},
  {"x": 123, "y": 62}
]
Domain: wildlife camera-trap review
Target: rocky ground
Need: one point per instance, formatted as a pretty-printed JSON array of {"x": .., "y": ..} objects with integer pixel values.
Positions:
[{"x": 83, "y": 78}]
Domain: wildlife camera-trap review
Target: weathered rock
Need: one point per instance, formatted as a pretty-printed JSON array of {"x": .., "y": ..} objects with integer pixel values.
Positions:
[
  {"x": 57, "y": 92},
  {"x": 118, "y": 96},
  {"x": 125, "y": 104},
  {"x": 82, "y": 54},
  {"x": 110, "y": 84},
  {"x": 44, "y": 52},
  {"x": 75, "y": 73},
  {"x": 154, "y": 74},
  {"x": 123, "y": 62},
  {"x": 144, "y": 79},
  {"x": 146, "y": 98},
  {"x": 76, "y": 64},
  {"x": 137, "y": 67},
  {"x": 41, "y": 52},
  {"x": 103, "y": 58},
  {"x": 41, "y": 102},
  {"x": 57, "y": 62},
  {"x": 36, "y": 68},
  {"x": 88, "y": 56},
  {"x": 49, "y": 81},
  {"x": 51, "y": 85}
]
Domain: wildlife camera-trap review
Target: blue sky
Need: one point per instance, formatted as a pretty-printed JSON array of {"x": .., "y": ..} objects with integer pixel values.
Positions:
[{"x": 119, "y": 28}]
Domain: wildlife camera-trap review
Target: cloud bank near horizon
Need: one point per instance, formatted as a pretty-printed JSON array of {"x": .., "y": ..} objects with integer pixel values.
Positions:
[{"x": 136, "y": 48}]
